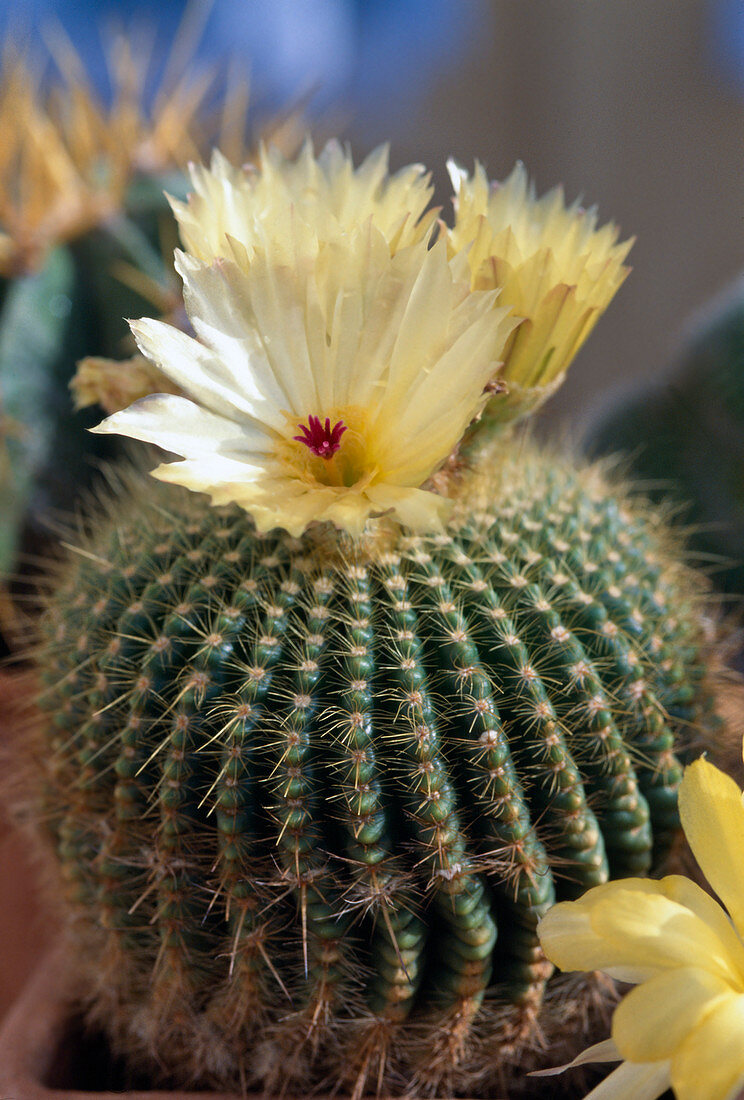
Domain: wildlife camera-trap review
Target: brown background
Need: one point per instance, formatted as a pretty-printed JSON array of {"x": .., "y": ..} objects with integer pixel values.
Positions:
[{"x": 623, "y": 102}]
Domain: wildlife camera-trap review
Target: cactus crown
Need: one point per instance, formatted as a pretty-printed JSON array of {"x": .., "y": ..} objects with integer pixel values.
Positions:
[
  {"x": 318, "y": 294},
  {"x": 69, "y": 161}
]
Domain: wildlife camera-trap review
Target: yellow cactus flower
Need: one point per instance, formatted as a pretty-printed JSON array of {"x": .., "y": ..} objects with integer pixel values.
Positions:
[
  {"x": 556, "y": 270},
  {"x": 326, "y": 195},
  {"x": 332, "y": 372},
  {"x": 66, "y": 158},
  {"x": 683, "y": 1026}
]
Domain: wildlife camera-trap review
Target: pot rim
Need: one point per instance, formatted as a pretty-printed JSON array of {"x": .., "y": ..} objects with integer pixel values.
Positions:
[{"x": 31, "y": 1033}]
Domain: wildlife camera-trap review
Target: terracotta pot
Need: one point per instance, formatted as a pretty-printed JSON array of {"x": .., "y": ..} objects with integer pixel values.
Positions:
[
  {"x": 25, "y": 925},
  {"x": 46, "y": 1055}
]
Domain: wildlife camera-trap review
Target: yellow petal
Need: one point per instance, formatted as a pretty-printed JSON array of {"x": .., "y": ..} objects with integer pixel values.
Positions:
[
  {"x": 553, "y": 266},
  {"x": 606, "y": 1051},
  {"x": 634, "y": 928},
  {"x": 633, "y": 1081},
  {"x": 709, "y": 1064},
  {"x": 220, "y": 307},
  {"x": 570, "y": 941},
  {"x": 652, "y": 1020},
  {"x": 324, "y": 198},
  {"x": 210, "y": 473},
  {"x": 417, "y": 509},
  {"x": 196, "y": 370},
  {"x": 648, "y": 929},
  {"x": 688, "y": 893},
  {"x": 712, "y": 816},
  {"x": 179, "y": 425}
]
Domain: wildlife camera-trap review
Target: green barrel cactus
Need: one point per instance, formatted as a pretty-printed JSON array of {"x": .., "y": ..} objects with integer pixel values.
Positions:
[
  {"x": 305, "y": 793},
  {"x": 320, "y": 751},
  {"x": 686, "y": 437}
]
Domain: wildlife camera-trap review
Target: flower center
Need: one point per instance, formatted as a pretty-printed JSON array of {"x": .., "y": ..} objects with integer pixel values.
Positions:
[{"x": 322, "y": 440}]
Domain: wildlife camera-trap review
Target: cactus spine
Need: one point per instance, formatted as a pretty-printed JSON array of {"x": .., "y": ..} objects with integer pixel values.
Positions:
[{"x": 310, "y": 797}]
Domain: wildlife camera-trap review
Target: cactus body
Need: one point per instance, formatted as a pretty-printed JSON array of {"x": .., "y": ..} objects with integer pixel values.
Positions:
[{"x": 309, "y": 798}]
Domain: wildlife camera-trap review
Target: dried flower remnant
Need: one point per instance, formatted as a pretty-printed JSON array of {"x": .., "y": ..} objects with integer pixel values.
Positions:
[{"x": 114, "y": 384}]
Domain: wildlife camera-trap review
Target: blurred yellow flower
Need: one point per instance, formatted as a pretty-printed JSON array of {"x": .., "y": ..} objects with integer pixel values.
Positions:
[
  {"x": 338, "y": 359},
  {"x": 67, "y": 158},
  {"x": 554, "y": 267},
  {"x": 683, "y": 1026}
]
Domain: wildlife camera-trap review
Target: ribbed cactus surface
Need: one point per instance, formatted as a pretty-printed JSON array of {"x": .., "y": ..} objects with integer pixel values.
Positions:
[{"x": 310, "y": 797}]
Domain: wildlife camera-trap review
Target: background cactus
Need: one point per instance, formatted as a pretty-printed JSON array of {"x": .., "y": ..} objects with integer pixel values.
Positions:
[
  {"x": 309, "y": 797},
  {"x": 687, "y": 437},
  {"x": 86, "y": 236},
  {"x": 51, "y": 316}
]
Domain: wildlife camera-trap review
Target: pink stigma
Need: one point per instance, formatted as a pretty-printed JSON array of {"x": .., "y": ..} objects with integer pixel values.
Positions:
[{"x": 322, "y": 441}]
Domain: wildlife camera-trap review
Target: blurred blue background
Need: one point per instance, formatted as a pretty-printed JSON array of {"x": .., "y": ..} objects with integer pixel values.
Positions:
[
  {"x": 374, "y": 58},
  {"x": 727, "y": 27},
  {"x": 635, "y": 106}
]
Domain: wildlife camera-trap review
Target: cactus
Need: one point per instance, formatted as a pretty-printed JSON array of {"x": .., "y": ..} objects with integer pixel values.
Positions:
[
  {"x": 83, "y": 222},
  {"x": 78, "y": 205},
  {"x": 320, "y": 754},
  {"x": 686, "y": 436},
  {"x": 51, "y": 317},
  {"x": 313, "y": 795}
]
